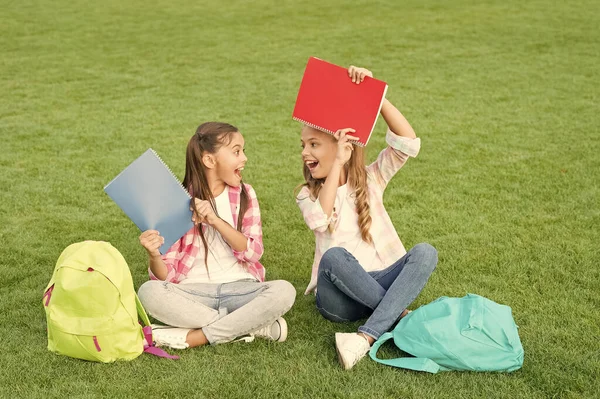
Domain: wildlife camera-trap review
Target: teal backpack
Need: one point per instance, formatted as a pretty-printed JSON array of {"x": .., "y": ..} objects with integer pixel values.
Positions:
[
  {"x": 471, "y": 333},
  {"x": 92, "y": 309}
]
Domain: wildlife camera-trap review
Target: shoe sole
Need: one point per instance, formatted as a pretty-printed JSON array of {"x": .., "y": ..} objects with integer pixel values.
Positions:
[
  {"x": 283, "y": 328},
  {"x": 159, "y": 326}
]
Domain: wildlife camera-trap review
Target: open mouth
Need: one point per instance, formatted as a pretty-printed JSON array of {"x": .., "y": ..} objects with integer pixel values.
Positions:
[
  {"x": 312, "y": 164},
  {"x": 238, "y": 172}
]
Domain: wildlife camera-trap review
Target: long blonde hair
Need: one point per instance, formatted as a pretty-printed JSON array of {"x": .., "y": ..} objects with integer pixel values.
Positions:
[{"x": 356, "y": 173}]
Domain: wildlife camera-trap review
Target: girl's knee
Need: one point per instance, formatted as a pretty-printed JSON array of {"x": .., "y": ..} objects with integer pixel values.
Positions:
[
  {"x": 149, "y": 288},
  {"x": 286, "y": 293},
  {"x": 429, "y": 254},
  {"x": 332, "y": 257},
  {"x": 150, "y": 292},
  {"x": 424, "y": 247}
]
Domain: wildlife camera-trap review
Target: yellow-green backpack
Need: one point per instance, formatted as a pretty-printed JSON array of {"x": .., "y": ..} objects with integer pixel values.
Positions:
[{"x": 92, "y": 309}]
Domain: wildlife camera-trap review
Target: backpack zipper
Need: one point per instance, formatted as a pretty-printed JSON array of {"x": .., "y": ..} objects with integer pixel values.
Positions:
[
  {"x": 97, "y": 344},
  {"x": 48, "y": 294}
]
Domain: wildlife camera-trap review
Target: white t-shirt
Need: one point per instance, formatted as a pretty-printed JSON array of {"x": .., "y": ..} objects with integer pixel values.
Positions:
[
  {"x": 347, "y": 233},
  {"x": 223, "y": 266}
]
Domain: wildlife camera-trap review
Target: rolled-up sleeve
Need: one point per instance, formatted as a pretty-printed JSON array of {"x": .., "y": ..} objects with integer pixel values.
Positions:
[
  {"x": 391, "y": 159},
  {"x": 405, "y": 145},
  {"x": 252, "y": 229},
  {"x": 314, "y": 216}
]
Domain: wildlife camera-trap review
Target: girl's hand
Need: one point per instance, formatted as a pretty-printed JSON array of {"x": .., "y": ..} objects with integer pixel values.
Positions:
[
  {"x": 358, "y": 74},
  {"x": 344, "y": 147},
  {"x": 204, "y": 213},
  {"x": 151, "y": 240}
]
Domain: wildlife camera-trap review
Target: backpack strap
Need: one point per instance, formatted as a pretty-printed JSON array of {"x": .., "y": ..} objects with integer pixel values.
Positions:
[
  {"x": 141, "y": 312},
  {"x": 411, "y": 363},
  {"x": 147, "y": 330}
]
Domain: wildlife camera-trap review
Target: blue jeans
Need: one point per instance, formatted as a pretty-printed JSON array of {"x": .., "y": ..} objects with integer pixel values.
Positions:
[
  {"x": 346, "y": 292},
  {"x": 223, "y": 311}
]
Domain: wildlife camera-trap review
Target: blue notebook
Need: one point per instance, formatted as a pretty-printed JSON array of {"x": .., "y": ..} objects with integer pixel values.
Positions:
[{"x": 153, "y": 198}]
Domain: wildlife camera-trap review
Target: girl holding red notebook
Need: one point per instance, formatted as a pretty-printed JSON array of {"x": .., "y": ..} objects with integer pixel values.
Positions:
[{"x": 361, "y": 269}]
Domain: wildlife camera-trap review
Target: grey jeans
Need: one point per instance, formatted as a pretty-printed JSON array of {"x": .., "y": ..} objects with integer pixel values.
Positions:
[
  {"x": 346, "y": 292},
  {"x": 223, "y": 311}
]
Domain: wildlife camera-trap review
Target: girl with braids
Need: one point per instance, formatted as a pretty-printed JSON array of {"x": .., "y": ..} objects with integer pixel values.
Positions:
[
  {"x": 209, "y": 287},
  {"x": 361, "y": 268}
]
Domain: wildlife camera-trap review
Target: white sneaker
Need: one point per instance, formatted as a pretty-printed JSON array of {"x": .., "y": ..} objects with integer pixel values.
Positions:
[
  {"x": 350, "y": 348},
  {"x": 277, "y": 331},
  {"x": 172, "y": 337}
]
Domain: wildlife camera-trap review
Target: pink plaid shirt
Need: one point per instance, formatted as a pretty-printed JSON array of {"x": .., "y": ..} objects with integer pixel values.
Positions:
[
  {"x": 379, "y": 173},
  {"x": 179, "y": 259}
]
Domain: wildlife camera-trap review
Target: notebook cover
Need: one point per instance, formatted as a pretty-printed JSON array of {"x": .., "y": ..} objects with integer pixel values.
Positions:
[
  {"x": 153, "y": 198},
  {"x": 329, "y": 101}
]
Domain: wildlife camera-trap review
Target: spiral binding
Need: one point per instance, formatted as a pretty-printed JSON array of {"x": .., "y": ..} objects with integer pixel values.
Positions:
[
  {"x": 358, "y": 143},
  {"x": 170, "y": 171}
]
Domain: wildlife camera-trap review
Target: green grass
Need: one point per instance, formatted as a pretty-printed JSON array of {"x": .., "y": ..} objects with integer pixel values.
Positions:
[{"x": 505, "y": 96}]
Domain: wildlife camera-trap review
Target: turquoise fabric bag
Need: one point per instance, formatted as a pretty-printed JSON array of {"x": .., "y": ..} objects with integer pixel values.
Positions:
[{"x": 471, "y": 333}]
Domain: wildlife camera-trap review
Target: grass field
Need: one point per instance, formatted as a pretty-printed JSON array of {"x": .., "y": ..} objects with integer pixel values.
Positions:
[{"x": 504, "y": 95}]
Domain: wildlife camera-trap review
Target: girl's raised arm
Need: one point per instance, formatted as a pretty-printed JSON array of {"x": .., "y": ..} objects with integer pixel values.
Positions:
[
  {"x": 396, "y": 121},
  {"x": 394, "y": 118}
]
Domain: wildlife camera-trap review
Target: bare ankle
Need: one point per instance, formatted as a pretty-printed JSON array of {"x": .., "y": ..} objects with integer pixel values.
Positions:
[
  {"x": 369, "y": 339},
  {"x": 196, "y": 338}
]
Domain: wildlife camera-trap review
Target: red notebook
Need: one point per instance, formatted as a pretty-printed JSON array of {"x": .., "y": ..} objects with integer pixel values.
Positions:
[{"x": 329, "y": 101}]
